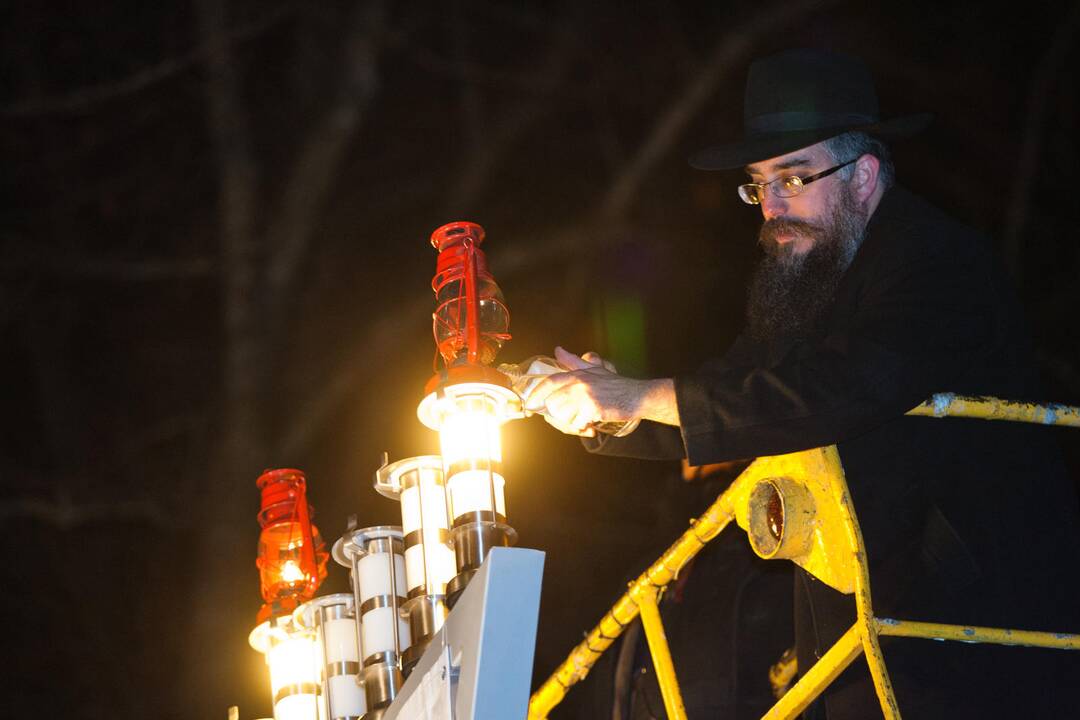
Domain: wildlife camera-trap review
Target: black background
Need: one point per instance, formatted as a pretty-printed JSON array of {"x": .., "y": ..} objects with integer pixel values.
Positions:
[{"x": 150, "y": 372}]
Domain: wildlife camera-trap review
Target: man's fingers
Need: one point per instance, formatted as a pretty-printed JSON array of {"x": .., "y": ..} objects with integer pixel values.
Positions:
[
  {"x": 569, "y": 428},
  {"x": 595, "y": 360},
  {"x": 571, "y": 361},
  {"x": 537, "y": 398}
]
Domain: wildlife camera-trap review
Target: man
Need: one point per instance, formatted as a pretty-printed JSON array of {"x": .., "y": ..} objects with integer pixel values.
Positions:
[{"x": 869, "y": 301}]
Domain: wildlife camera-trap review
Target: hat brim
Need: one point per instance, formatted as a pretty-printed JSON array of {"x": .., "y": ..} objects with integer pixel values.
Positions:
[{"x": 762, "y": 147}]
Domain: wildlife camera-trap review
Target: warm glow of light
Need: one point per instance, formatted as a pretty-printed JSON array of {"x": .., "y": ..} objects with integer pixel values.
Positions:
[
  {"x": 472, "y": 454},
  {"x": 423, "y": 507},
  {"x": 292, "y": 661},
  {"x": 472, "y": 490},
  {"x": 299, "y": 707},
  {"x": 291, "y": 572},
  {"x": 471, "y": 431}
]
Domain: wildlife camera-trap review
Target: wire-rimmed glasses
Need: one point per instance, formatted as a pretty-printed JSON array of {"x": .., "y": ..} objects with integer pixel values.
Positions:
[{"x": 785, "y": 186}]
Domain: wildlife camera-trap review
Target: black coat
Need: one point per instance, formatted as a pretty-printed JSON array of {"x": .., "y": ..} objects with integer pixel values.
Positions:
[{"x": 965, "y": 521}]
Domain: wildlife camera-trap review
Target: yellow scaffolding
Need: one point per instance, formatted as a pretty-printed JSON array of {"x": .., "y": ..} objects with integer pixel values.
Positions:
[{"x": 798, "y": 507}]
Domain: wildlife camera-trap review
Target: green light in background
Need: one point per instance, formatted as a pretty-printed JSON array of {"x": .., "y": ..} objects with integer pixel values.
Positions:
[{"x": 619, "y": 322}]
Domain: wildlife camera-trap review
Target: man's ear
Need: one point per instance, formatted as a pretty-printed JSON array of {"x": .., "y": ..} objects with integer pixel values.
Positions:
[{"x": 865, "y": 179}]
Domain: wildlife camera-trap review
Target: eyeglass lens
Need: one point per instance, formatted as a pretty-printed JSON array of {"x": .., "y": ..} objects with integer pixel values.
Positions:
[{"x": 785, "y": 187}]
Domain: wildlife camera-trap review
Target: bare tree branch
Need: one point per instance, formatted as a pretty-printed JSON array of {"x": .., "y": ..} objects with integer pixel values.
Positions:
[
  {"x": 733, "y": 47},
  {"x": 1042, "y": 85},
  {"x": 324, "y": 150},
  {"x": 222, "y": 498},
  {"x": 523, "y": 115},
  {"x": 595, "y": 230},
  {"x": 85, "y": 98},
  {"x": 64, "y": 514},
  {"x": 70, "y": 265},
  {"x": 236, "y": 210}
]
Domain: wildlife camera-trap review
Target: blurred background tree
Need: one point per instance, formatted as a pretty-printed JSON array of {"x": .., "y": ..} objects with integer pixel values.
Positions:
[{"x": 214, "y": 260}]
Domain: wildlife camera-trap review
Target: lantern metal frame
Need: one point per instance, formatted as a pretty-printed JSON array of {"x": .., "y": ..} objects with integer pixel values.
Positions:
[
  {"x": 425, "y": 603},
  {"x": 381, "y": 672},
  {"x": 314, "y": 615},
  {"x": 269, "y": 634}
]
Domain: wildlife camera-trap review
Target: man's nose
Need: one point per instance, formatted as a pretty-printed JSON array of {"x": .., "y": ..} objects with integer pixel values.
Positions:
[{"x": 773, "y": 206}]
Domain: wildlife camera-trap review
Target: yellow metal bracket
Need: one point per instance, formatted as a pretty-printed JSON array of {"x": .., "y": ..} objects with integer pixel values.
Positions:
[
  {"x": 661, "y": 654},
  {"x": 798, "y": 507}
]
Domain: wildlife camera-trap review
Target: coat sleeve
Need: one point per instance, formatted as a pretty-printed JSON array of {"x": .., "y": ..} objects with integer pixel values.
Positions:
[
  {"x": 650, "y": 441},
  {"x": 919, "y": 320}
]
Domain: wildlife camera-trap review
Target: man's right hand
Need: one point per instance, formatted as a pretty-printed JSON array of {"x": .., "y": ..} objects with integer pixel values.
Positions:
[{"x": 591, "y": 392}]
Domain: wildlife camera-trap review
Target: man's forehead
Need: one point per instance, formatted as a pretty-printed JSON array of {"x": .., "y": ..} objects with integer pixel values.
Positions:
[{"x": 802, "y": 158}]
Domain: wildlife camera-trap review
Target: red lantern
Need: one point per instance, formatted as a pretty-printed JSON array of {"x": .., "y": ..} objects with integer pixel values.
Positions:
[
  {"x": 471, "y": 320},
  {"x": 292, "y": 557},
  {"x": 467, "y": 401}
]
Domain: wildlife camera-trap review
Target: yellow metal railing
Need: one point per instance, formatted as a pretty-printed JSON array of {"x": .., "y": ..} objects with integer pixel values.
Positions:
[
  {"x": 821, "y": 534},
  {"x": 989, "y": 408}
]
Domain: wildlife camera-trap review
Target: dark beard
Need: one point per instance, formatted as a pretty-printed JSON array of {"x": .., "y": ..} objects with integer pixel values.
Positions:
[{"x": 789, "y": 293}]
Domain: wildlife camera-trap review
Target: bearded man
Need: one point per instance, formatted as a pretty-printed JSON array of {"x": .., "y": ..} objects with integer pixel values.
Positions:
[{"x": 869, "y": 301}]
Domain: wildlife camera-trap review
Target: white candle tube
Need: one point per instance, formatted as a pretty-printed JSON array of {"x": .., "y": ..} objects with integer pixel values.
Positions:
[
  {"x": 471, "y": 433},
  {"x": 346, "y": 696},
  {"x": 378, "y": 631},
  {"x": 298, "y": 707},
  {"x": 292, "y": 661},
  {"x": 442, "y": 566},
  {"x": 414, "y": 566},
  {"x": 339, "y": 636},
  {"x": 433, "y": 564},
  {"x": 431, "y": 512},
  {"x": 375, "y": 575},
  {"x": 470, "y": 491}
]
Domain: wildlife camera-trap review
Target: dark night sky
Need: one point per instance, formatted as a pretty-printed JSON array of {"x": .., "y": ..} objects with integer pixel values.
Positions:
[{"x": 214, "y": 262}]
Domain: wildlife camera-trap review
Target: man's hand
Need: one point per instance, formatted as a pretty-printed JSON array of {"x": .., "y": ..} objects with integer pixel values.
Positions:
[{"x": 591, "y": 392}]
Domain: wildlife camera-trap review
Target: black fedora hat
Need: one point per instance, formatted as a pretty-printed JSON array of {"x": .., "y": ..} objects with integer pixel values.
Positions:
[{"x": 800, "y": 97}]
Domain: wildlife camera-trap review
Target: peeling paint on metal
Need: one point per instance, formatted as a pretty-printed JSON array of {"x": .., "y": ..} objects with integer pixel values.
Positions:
[{"x": 942, "y": 401}]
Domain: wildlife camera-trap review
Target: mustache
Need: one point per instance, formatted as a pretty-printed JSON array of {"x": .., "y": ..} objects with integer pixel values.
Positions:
[{"x": 774, "y": 227}]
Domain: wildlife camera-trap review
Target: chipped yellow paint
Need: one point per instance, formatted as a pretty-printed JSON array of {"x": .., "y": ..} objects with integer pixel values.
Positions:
[
  {"x": 663, "y": 571},
  {"x": 975, "y": 634},
  {"x": 834, "y": 553},
  {"x": 832, "y": 557},
  {"x": 817, "y": 678},
  {"x": 661, "y": 655},
  {"x": 991, "y": 408},
  {"x": 783, "y": 672}
]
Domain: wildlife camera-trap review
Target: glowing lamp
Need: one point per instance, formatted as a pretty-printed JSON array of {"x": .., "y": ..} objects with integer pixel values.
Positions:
[
  {"x": 417, "y": 482},
  {"x": 292, "y": 556},
  {"x": 471, "y": 417},
  {"x": 333, "y": 620},
  {"x": 470, "y": 323},
  {"x": 290, "y": 653},
  {"x": 377, "y": 571},
  {"x": 467, "y": 402}
]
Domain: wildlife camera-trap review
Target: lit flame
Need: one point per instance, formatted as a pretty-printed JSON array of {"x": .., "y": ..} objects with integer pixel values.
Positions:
[
  {"x": 291, "y": 572},
  {"x": 292, "y": 661},
  {"x": 471, "y": 431},
  {"x": 472, "y": 452}
]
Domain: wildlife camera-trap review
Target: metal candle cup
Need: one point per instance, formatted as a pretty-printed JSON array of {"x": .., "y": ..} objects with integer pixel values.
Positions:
[
  {"x": 417, "y": 482},
  {"x": 333, "y": 620},
  {"x": 377, "y": 570},
  {"x": 291, "y": 656}
]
